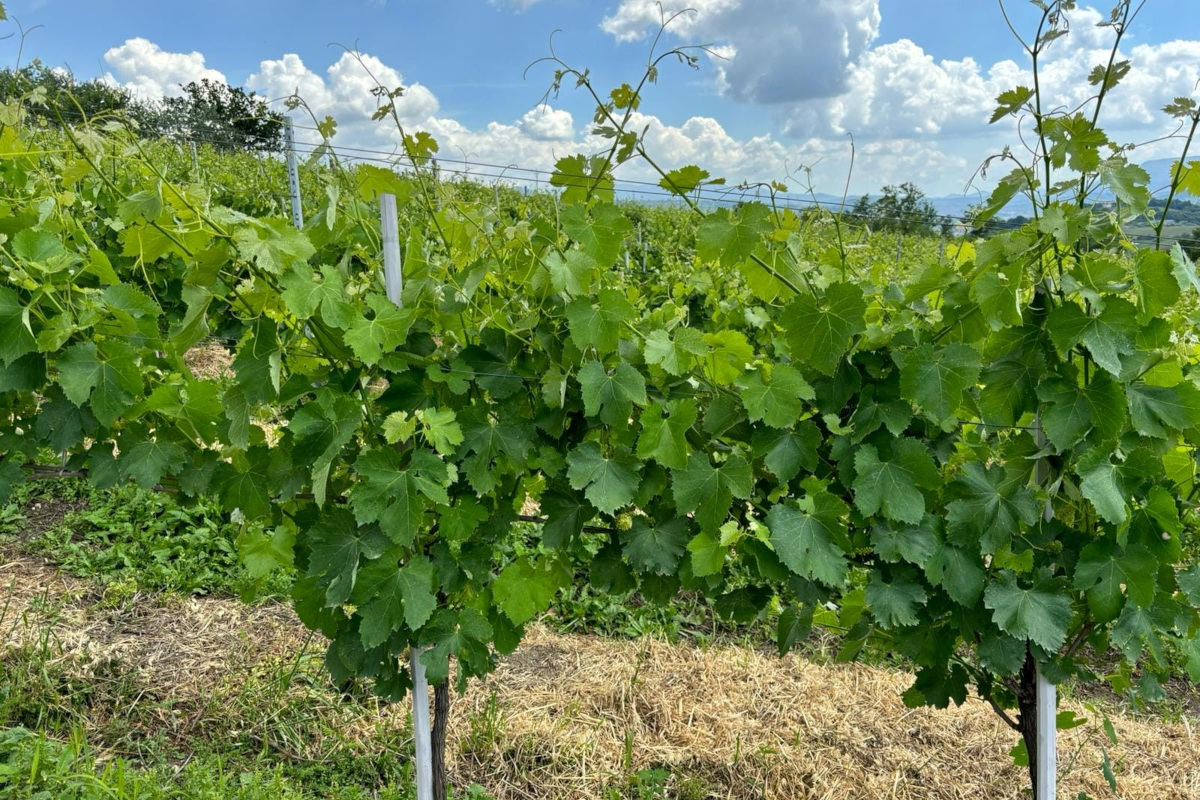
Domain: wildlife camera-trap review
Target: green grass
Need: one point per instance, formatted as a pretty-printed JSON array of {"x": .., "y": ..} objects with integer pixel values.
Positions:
[
  {"x": 35, "y": 767},
  {"x": 143, "y": 540}
]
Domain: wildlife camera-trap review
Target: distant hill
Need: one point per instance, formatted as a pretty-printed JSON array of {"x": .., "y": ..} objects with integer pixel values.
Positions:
[
  {"x": 1159, "y": 170},
  {"x": 1160, "y": 176},
  {"x": 956, "y": 205}
]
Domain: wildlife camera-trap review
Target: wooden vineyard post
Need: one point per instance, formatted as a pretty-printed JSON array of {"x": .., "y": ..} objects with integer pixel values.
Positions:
[{"x": 393, "y": 283}]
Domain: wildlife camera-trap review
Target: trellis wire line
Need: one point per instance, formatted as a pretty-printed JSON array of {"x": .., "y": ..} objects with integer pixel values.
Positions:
[
  {"x": 801, "y": 203},
  {"x": 796, "y": 202},
  {"x": 628, "y": 181}
]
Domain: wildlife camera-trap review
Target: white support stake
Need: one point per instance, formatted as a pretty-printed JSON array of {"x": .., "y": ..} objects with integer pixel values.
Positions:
[
  {"x": 393, "y": 280},
  {"x": 421, "y": 731},
  {"x": 422, "y": 736},
  {"x": 1047, "y": 738},
  {"x": 1046, "y": 780},
  {"x": 293, "y": 172}
]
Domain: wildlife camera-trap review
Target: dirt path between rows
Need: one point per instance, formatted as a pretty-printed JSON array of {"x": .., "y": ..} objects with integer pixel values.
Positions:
[{"x": 558, "y": 717}]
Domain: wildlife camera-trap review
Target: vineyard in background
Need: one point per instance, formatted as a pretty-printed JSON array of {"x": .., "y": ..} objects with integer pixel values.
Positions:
[{"x": 973, "y": 456}]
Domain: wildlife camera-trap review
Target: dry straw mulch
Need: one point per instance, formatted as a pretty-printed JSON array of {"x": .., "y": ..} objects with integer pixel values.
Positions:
[
  {"x": 210, "y": 360},
  {"x": 558, "y": 717}
]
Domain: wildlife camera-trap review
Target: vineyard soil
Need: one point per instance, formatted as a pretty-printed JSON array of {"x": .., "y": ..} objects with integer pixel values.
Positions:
[{"x": 566, "y": 716}]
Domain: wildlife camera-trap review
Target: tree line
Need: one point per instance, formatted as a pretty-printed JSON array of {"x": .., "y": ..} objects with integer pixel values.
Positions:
[{"x": 226, "y": 117}]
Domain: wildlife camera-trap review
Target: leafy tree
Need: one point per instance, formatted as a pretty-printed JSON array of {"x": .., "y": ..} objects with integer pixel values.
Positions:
[
  {"x": 57, "y": 90},
  {"x": 900, "y": 209},
  {"x": 227, "y": 117}
]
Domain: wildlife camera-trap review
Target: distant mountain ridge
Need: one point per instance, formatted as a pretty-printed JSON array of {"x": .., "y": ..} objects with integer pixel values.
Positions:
[{"x": 956, "y": 205}]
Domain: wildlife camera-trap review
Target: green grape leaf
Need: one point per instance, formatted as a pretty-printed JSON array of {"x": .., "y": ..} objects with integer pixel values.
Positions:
[
  {"x": 728, "y": 354},
  {"x": 1127, "y": 182},
  {"x": 806, "y": 544},
  {"x": 773, "y": 394},
  {"x": 274, "y": 245},
  {"x": 109, "y": 379},
  {"x": 441, "y": 429},
  {"x": 915, "y": 544},
  {"x": 891, "y": 486},
  {"x": 398, "y": 498},
  {"x": 611, "y": 396},
  {"x": 321, "y": 428},
  {"x": 1072, "y": 412},
  {"x": 399, "y": 427},
  {"x": 1109, "y": 575},
  {"x": 11, "y": 474},
  {"x": 1156, "y": 287},
  {"x": 787, "y": 452},
  {"x": 389, "y": 594},
  {"x": 566, "y": 513},
  {"x": 264, "y": 551},
  {"x": 259, "y": 362},
  {"x": 303, "y": 295},
  {"x": 895, "y": 604},
  {"x": 573, "y": 272},
  {"x": 1137, "y": 629},
  {"x": 1040, "y": 614},
  {"x": 335, "y": 547},
  {"x": 371, "y": 339},
  {"x": 685, "y": 179},
  {"x": 1102, "y": 483},
  {"x": 525, "y": 588},
  {"x": 819, "y": 332},
  {"x": 146, "y": 462},
  {"x": 598, "y": 324},
  {"x": 709, "y": 490},
  {"x": 1010, "y": 387},
  {"x": 991, "y": 511},
  {"x": 936, "y": 380},
  {"x": 600, "y": 237},
  {"x": 708, "y": 554},
  {"x": 1001, "y": 654},
  {"x": 463, "y": 635},
  {"x": 997, "y": 290},
  {"x": 1066, "y": 223},
  {"x": 1107, "y": 335},
  {"x": 62, "y": 424},
  {"x": 728, "y": 237},
  {"x": 656, "y": 548},
  {"x": 244, "y": 483},
  {"x": 1011, "y": 101},
  {"x": 1183, "y": 268},
  {"x": 958, "y": 572},
  {"x": 1159, "y": 411},
  {"x": 608, "y": 483},
  {"x": 1189, "y": 584},
  {"x": 664, "y": 432},
  {"x": 675, "y": 354}
]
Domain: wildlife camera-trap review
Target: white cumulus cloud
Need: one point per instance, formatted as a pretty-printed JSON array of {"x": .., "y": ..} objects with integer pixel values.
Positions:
[
  {"x": 912, "y": 116},
  {"x": 550, "y": 124},
  {"x": 770, "y": 51},
  {"x": 150, "y": 72}
]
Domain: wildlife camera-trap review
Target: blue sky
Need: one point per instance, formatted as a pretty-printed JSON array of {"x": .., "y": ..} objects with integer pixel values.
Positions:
[{"x": 910, "y": 79}]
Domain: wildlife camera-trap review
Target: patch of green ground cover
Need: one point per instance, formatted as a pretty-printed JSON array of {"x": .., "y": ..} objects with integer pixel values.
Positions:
[{"x": 144, "y": 539}]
